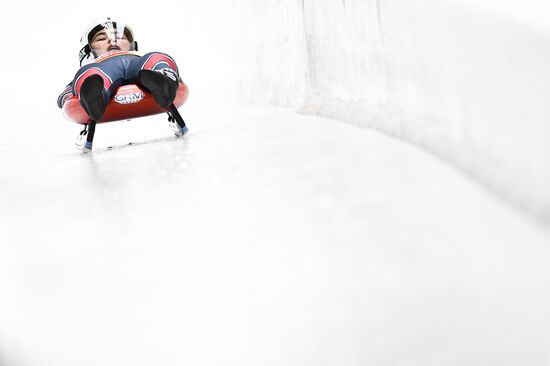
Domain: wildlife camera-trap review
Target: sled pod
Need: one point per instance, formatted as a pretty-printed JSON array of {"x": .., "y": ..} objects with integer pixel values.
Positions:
[{"x": 129, "y": 101}]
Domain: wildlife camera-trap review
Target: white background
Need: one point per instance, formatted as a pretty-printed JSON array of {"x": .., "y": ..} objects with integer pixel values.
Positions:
[{"x": 263, "y": 237}]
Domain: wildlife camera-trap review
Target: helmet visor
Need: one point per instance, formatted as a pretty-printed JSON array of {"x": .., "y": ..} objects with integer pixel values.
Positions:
[{"x": 110, "y": 36}]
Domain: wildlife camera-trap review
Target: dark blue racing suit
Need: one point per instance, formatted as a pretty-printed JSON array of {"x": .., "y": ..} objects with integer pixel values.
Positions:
[{"x": 117, "y": 68}]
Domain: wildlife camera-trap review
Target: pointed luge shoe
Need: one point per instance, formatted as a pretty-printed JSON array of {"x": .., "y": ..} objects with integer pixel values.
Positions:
[
  {"x": 162, "y": 84},
  {"x": 91, "y": 97}
]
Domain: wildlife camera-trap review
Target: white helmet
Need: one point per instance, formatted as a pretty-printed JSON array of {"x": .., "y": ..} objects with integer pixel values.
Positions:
[{"x": 86, "y": 54}]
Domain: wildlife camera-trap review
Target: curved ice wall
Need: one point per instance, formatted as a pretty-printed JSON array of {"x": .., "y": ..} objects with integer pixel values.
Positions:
[{"x": 467, "y": 80}]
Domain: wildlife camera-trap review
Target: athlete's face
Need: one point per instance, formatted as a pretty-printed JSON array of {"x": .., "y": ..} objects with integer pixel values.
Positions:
[{"x": 102, "y": 43}]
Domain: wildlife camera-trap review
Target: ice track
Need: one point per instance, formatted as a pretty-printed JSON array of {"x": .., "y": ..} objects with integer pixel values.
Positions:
[{"x": 262, "y": 238}]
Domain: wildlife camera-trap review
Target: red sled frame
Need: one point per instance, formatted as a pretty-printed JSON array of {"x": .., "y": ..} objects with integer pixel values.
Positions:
[{"x": 129, "y": 101}]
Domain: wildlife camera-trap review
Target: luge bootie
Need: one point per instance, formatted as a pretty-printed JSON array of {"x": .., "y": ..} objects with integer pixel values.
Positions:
[
  {"x": 163, "y": 84},
  {"x": 91, "y": 97}
]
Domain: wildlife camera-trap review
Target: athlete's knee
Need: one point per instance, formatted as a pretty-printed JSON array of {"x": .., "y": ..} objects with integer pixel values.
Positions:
[
  {"x": 157, "y": 61},
  {"x": 87, "y": 71}
]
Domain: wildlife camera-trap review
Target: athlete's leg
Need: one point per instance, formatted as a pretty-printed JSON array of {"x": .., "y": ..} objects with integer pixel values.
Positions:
[
  {"x": 95, "y": 83},
  {"x": 158, "y": 73},
  {"x": 151, "y": 61}
]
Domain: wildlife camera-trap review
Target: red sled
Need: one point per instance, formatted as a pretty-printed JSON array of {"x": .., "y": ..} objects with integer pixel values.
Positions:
[{"x": 129, "y": 101}]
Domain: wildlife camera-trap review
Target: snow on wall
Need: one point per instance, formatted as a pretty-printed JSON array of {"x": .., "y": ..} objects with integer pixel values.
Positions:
[{"x": 468, "y": 81}]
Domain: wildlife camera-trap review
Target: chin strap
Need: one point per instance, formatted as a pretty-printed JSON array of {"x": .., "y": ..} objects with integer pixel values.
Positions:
[{"x": 84, "y": 54}]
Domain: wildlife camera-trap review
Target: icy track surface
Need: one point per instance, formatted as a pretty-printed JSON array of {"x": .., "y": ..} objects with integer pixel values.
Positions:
[{"x": 262, "y": 238}]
